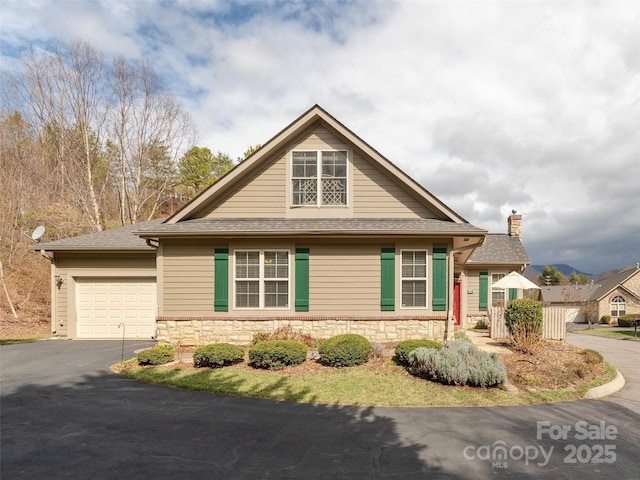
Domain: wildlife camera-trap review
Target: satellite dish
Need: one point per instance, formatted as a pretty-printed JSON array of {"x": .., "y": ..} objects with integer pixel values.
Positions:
[{"x": 37, "y": 233}]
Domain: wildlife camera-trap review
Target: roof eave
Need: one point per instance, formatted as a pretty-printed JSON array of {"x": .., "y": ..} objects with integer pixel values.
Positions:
[{"x": 310, "y": 233}]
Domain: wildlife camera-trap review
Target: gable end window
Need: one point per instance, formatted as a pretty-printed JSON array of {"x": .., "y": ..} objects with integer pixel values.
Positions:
[
  {"x": 261, "y": 279},
  {"x": 319, "y": 178},
  {"x": 618, "y": 306}
]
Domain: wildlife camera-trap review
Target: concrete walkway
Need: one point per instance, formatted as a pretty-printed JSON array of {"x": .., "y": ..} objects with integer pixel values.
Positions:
[{"x": 482, "y": 340}]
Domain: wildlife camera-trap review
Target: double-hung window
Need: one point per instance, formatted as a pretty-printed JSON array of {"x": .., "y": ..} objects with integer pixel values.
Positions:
[
  {"x": 262, "y": 279},
  {"x": 498, "y": 295},
  {"x": 414, "y": 278},
  {"x": 319, "y": 178}
]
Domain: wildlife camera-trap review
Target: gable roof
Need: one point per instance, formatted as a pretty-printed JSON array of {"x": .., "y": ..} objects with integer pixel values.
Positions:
[
  {"x": 567, "y": 293},
  {"x": 598, "y": 291},
  {"x": 500, "y": 248},
  {"x": 616, "y": 280},
  {"x": 121, "y": 238},
  {"x": 314, "y": 115}
]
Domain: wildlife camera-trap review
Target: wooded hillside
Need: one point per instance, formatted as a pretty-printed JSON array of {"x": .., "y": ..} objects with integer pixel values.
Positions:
[{"x": 85, "y": 145}]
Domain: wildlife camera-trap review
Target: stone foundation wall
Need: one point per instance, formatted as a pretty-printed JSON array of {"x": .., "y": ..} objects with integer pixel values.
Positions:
[{"x": 240, "y": 331}]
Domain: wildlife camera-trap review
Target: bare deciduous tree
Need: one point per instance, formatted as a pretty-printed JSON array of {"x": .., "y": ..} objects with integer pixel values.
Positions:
[{"x": 148, "y": 130}]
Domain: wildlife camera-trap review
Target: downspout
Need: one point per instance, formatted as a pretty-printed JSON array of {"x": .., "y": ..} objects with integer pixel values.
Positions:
[{"x": 450, "y": 296}]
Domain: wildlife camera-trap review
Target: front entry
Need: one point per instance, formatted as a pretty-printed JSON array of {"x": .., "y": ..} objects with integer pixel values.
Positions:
[{"x": 456, "y": 302}]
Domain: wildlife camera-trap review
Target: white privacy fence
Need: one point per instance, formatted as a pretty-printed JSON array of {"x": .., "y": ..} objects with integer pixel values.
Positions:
[{"x": 553, "y": 323}]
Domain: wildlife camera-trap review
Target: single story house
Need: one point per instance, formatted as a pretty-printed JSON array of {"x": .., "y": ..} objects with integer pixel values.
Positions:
[
  {"x": 615, "y": 295},
  {"x": 316, "y": 230}
]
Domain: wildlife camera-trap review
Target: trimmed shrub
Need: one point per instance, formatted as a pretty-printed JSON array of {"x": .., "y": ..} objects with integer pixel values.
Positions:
[
  {"x": 157, "y": 355},
  {"x": 523, "y": 319},
  {"x": 277, "y": 354},
  {"x": 345, "y": 350},
  {"x": 217, "y": 355},
  {"x": 458, "y": 363},
  {"x": 627, "y": 320},
  {"x": 605, "y": 319},
  {"x": 404, "y": 348}
]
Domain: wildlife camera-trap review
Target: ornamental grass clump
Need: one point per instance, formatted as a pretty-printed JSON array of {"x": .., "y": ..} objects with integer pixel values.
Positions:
[
  {"x": 277, "y": 354},
  {"x": 345, "y": 350},
  {"x": 523, "y": 319},
  {"x": 404, "y": 348},
  {"x": 458, "y": 363},
  {"x": 217, "y": 355},
  {"x": 158, "y": 355}
]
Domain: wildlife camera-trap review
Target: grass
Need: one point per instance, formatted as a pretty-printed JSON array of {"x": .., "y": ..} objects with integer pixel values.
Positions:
[
  {"x": 388, "y": 386},
  {"x": 13, "y": 341},
  {"x": 602, "y": 332}
]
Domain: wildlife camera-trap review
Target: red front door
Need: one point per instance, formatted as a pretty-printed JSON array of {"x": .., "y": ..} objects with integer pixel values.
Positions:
[{"x": 456, "y": 302}]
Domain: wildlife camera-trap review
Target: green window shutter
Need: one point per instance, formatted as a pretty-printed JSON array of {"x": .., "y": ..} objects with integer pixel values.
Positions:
[
  {"x": 221, "y": 280},
  {"x": 387, "y": 279},
  {"x": 439, "y": 286},
  {"x": 302, "y": 280},
  {"x": 513, "y": 293},
  {"x": 484, "y": 290}
]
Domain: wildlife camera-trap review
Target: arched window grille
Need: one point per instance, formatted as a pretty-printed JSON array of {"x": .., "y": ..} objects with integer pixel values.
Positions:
[{"x": 618, "y": 306}]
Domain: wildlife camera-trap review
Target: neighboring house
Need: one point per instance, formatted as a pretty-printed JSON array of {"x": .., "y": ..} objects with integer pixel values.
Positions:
[
  {"x": 315, "y": 230},
  {"x": 615, "y": 295}
]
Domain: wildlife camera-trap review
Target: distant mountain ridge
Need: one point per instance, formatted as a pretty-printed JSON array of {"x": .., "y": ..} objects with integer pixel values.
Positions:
[{"x": 563, "y": 268}]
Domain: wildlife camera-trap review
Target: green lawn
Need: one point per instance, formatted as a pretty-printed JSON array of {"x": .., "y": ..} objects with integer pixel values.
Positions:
[
  {"x": 391, "y": 386},
  {"x": 605, "y": 332}
]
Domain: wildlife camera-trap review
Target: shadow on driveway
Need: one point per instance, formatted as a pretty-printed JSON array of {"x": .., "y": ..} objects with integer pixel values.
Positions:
[{"x": 69, "y": 417}]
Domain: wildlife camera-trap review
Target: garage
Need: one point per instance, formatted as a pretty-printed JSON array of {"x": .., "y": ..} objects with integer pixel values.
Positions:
[{"x": 116, "y": 307}]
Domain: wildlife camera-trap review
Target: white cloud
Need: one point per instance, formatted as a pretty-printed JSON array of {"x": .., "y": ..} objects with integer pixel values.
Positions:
[{"x": 490, "y": 105}]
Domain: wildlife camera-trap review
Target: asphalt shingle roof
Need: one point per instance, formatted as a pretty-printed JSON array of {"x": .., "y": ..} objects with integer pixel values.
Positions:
[
  {"x": 121, "y": 238},
  {"x": 500, "y": 248},
  {"x": 312, "y": 226}
]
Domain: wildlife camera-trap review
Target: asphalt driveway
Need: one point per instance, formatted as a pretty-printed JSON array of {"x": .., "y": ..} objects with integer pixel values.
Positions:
[{"x": 64, "y": 415}]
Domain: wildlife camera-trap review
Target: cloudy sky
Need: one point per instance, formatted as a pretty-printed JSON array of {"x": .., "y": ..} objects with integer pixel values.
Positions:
[{"x": 491, "y": 106}]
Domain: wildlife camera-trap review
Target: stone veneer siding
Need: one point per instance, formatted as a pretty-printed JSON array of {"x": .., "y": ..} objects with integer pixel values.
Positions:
[{"x": 240, "y": 330}]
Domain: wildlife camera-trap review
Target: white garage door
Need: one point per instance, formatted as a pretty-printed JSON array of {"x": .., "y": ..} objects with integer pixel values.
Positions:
[{"x": 111, "y": 307}]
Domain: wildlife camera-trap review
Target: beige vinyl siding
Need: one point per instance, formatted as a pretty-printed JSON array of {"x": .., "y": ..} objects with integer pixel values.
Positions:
[
  {"x": 376, "y": 195},
  {"x": 344, "y": 279},
  {"x": 266, "y": 192},
  {"x": 187, "y": 278},
  {"x": 261, "y": 195},
  {"x": 94, "y": 263},
  {"x": 318, "y": 137},
  {"x": 473, "y": 299},
  {"x": 62, "y": 306}
]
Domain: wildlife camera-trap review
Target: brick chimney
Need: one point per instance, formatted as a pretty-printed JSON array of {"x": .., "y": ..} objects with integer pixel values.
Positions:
[{"x": 514, "y": 223}]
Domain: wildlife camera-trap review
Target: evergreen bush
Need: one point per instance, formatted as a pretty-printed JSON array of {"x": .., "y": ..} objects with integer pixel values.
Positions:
[
  {"x": 406, "y": 346},
  {"x": 605, "y": 319},
  {"x": 458, "y": 363},
  {"x": 277, "y": 354},
  {"x": 157, "y": 355},
  {"x": 627, "y": 320},
  {"x": 217, "y": 355},
  {"x": 523, "y": 319},
  {"x": 345, "y": 350}
]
